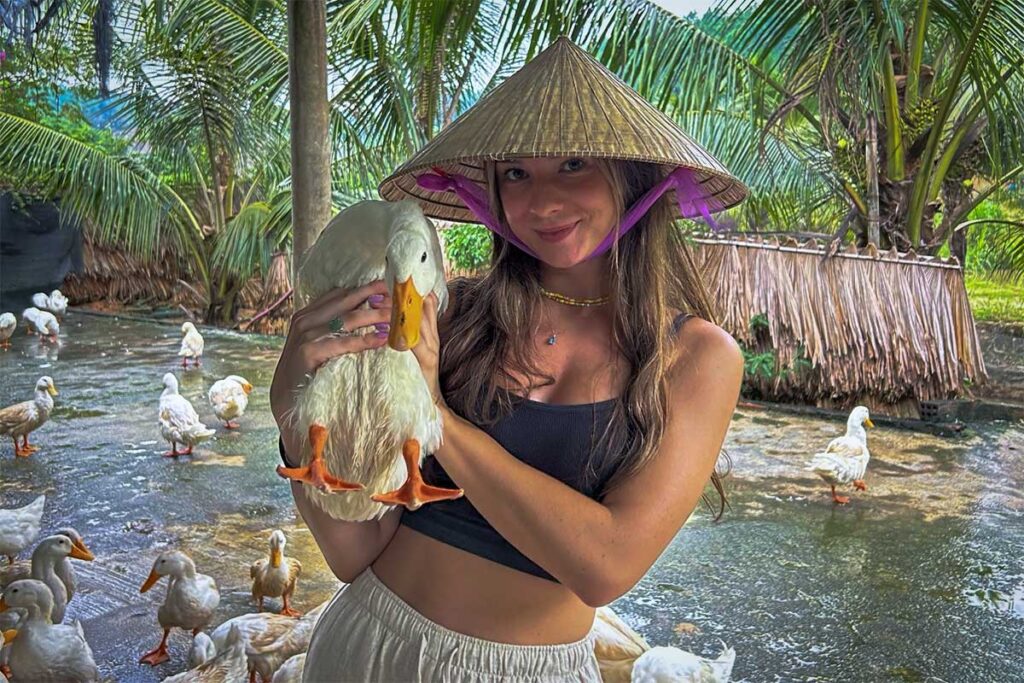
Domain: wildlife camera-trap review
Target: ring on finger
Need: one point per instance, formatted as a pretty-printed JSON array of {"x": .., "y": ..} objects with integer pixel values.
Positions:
[{"x": 336, "y": 325}]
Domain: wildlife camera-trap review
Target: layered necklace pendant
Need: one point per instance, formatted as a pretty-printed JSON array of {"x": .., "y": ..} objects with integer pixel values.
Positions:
[{"x": 570, "y": 301}]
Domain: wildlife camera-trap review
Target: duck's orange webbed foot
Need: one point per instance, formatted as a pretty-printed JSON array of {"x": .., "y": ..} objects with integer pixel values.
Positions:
[
  {"x": 316, "y": 474},
  {"x": 837, "y": 499},
  {"x": 159, "y": 654},
  {"x": 286, "y": 609},
  {"x": 415, "y": 492},
  {"x": 860, "y": 485}
]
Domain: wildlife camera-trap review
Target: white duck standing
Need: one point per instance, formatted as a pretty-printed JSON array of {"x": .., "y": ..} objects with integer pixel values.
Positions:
[
  {"x": 41, "y": 301},
  {"x": 20, "y": 527},
  {"x": 21, "y": 419},
  {"x": 63, "y": 569},
  {"x": 47, "y": 326},
  {"x": 227, "y": 666},
  {"x": 845, "y": 459},
  {"x": 276, "y": 576},
  {"x": 42, "y": 651},
  {"x": 8, "y": 324},
  {"x": 58, "y": 303},
  {"x": 28, "y": 316},
  {"x": 51, "y": 551},
  {"x": 191, "y": 599},
  {"x": 179, "y": 421},
  {"x": 191, "y": 345},
  {"x": 229, "y": 398},
  {"x": 369, "y": 416}
]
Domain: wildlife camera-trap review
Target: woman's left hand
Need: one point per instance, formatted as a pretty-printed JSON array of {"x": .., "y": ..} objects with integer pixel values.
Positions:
[{"x": 428, "y": 350}]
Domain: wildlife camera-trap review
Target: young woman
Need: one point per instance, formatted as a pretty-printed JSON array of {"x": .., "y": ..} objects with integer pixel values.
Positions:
[{"x": 584, "y": 390}]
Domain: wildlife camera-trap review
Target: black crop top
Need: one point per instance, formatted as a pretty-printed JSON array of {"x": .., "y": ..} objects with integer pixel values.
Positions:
[{"x": 555, "y": 439}]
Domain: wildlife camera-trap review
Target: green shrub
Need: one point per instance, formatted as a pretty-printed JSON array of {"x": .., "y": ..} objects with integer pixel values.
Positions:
[{"x": 468, "y": 246}]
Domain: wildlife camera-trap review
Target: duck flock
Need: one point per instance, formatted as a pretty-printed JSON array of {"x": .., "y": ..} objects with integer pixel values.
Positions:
[{"x": 38, "y": 646}]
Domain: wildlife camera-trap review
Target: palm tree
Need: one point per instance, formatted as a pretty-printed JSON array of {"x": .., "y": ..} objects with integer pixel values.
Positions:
[{"x": 794, "y": 97}]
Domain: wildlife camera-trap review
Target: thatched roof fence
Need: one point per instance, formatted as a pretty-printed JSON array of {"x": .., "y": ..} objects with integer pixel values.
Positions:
[
  {"x": 113, "y": 276},
  {"x": 884, "y": 329}
]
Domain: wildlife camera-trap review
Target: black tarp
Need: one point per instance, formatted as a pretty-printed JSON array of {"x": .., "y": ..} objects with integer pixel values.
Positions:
[{"x": 37, "y": 251}]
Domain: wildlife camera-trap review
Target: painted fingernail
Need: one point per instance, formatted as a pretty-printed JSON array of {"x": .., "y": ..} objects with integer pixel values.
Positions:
[
  {"x": 382, "y": 327},
  {"x": 381, "y": 334},
  {"x": 376, "y": 298}
]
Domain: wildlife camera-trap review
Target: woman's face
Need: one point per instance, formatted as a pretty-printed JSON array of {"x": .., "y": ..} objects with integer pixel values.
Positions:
[{"x": 560, "y": 207}]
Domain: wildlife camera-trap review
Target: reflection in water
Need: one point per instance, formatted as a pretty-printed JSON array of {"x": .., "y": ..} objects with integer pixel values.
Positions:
[{"x": 921, "y": 576}]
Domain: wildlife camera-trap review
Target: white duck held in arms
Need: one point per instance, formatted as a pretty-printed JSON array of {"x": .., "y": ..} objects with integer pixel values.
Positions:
[
  {"x": 179, "y": 421},
  {"x": 845, "y": 459},
  {"x": 369, "y": 416},
  {"x": 229, "y": 398},
  {"x": 191, "y": 600},
  {"x": 191, "y": 345},
  {"x": 21, "y": 419}
]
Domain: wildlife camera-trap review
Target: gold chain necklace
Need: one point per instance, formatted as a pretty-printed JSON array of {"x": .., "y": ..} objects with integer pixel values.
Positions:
[{"x": 570, "y": 301}]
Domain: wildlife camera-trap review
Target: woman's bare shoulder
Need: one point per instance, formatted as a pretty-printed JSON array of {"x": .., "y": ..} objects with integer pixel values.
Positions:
[{"x": 701, "y": 343}]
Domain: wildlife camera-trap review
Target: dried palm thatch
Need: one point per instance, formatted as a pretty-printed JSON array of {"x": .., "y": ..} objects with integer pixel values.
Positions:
[
  {"x": 113, "y": 276},
  {"x": 886, "y": 330}
]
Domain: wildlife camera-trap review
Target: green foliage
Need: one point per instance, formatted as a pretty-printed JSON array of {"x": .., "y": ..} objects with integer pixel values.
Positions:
[
  {"x": 996, "y": 250},
  {"x": 761, "y": 362},
  {"x": 993, "y": 301},
  {"x": 468, "y": 246}
]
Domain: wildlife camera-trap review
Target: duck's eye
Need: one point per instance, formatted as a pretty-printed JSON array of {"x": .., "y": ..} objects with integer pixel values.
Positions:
[{"x": 423, "y": 259}]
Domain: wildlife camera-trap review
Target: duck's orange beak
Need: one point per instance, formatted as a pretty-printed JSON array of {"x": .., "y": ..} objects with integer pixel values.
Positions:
[
  {"x": 3, "y": 605},
  {"x": 85, "y": 553},
  {"x": 869, "y": 423},
  {"x": 275, "y": 557},
  {"x": 406, "y": 314},
  {"x": 10, "y": 635},
  {"x": 150, "y": 581},
  {"x": 80, "y": 552},
  {"x": 246, "y": 388}
]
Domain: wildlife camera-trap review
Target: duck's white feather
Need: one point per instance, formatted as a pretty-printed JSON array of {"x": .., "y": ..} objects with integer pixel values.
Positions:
[
  {"x": 846, "y": 457},
  {"x": 20, "y": 527},
  {"x": 8, "y": 323},
  {"x": 370, "y": 402},
  {"x": 192, "y": 343},
  {"x": 179, "y": 421}
]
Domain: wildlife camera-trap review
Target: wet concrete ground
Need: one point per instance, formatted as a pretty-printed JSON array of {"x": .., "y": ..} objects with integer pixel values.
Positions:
[{"x": 921, "y": 578}]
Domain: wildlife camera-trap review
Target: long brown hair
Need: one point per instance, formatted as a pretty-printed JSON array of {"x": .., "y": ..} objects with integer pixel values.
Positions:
[{"x": 488, "y": 345}]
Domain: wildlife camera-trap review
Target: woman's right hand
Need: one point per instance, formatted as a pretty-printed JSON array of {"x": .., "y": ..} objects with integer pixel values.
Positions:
[{"x": 311, "y": 343}]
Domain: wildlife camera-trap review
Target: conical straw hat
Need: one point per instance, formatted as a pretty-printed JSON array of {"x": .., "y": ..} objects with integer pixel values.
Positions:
[{"x": 562, "y": 103}]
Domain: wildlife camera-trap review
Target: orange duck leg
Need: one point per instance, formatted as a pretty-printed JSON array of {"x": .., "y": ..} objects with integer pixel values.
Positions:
[
  {"x": 415, "y": 492},
  {"x": 316, "y": 474}
]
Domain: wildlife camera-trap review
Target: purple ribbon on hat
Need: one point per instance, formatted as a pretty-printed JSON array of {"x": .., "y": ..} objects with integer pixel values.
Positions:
[{"x": 473, "y": 196}]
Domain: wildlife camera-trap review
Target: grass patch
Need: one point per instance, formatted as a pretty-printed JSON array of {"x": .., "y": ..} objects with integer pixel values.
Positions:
[{"x": 993, "y": 301}]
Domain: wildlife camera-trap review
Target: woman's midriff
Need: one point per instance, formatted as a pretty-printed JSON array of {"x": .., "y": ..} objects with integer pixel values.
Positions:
[{"x": 472, "y": 595}]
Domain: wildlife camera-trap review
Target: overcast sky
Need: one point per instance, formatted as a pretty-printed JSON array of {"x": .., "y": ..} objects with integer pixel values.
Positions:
[{"x": 683, "y": 7}]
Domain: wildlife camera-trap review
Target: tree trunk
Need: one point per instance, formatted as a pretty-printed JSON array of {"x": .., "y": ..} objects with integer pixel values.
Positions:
[
  {"x": 310, "y": 141},
  {"x": 871, "y": 151}
]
